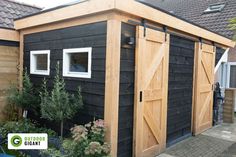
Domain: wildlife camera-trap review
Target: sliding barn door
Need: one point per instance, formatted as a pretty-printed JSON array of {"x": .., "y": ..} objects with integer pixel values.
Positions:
[
  {"x": 152, "y": 54},
  {"x": 204, "y": 80}
]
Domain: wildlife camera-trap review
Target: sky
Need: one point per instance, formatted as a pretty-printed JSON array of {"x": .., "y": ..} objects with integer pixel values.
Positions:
[{"x": 46, "y": 3}]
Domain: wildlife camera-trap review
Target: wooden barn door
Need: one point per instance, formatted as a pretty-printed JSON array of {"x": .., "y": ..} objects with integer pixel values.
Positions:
[
  {"x": 152, "y": 55},
  {"x": 203, "y": 107}
]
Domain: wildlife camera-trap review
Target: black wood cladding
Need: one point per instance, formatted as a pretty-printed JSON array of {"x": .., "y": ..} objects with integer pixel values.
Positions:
[
  {"x": 126, "y": 98},
  {"x": 180, "y": 87},
  {"x": 93, "y": 89},
  {"x": 9, "y": 43}
]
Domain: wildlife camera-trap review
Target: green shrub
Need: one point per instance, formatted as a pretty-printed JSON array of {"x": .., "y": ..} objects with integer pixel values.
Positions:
[
  {"x": 23, "y": 126},
  {"x": 25, "y": 98},
  {"x": 58, "y": 105}
]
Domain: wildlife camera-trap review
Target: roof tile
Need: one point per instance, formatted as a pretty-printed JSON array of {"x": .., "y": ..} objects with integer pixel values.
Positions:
[
  {"x": 10, "y": 10},
  {"x": 192, "y": 10}
]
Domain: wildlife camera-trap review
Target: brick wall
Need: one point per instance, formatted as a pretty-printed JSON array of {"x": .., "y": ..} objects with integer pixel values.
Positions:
[{"x": 232, "y": 55}]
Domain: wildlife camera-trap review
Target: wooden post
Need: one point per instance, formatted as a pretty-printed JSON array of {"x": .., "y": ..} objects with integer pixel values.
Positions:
[
  {"x": 21, "y": 60},
  {"x": 112, "y": 82}
]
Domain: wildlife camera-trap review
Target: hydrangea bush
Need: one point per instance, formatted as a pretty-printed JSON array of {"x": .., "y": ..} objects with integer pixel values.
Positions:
[{"x": 86, "y": 141}]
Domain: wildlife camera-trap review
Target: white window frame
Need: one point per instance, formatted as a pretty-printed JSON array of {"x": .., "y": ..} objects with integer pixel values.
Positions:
[
  {"x": 66, "y": 62},
  {"x": 229, "y": 64},
  {"x": 215, "y": 8},
  {"x": 33, "y": 69}
]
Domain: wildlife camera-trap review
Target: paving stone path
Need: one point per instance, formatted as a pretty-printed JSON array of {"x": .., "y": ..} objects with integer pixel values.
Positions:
[
  {"x": 220, "y": 141},
  {"x": 230, "y": 152}
]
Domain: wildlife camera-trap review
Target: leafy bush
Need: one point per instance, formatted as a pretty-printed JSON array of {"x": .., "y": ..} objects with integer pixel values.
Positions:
[
  {"x": 25, "y": 98},
  {"x": 87, "y": 141},
  {"x": 58, "y": 104},
  {"x": 232, "y": 26},
  {"x": 23, "y": 126}
]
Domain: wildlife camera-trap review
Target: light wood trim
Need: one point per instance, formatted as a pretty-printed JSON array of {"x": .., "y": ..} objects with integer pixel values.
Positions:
[
  {"x": 21, "y": 60},
  {"x": 146, "y": 12},
  {"x": 112, "y": 83},
  {"x": 194, "y": 84},
  {"x": 165, "y": 86},
  {"x": 9, "y": 35},
  {"x": 131, "y": 7},
  {"x": 138, "y": 79},
  {"x": 73, "y": 11},
  {"x": 197, "y": 61},
  {"x": 69, "y": 23}
]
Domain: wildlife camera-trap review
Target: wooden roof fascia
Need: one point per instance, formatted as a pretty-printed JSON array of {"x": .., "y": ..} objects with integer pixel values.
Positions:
[
  {"x": 130, "y": 7},
  {"x": 65, "y": 13},
  {"x": 138, "y": 9},
  {"x": 9, "y": 35}
]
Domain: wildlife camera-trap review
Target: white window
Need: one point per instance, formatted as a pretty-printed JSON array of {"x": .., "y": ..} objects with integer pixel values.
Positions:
[
  {"x": 40, "y": 62},
  {"x": 231, "y": 75},
  {"x": 77, "y": 62}
]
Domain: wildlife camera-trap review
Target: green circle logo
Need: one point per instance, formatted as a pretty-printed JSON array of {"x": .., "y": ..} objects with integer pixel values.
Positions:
[{"x": 16, "y": 141}]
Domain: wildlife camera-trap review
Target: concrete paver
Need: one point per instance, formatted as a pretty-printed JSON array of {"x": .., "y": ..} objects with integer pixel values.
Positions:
[
  {"x": 224, "y": 131},
  {"x": 219, "y": 141}
]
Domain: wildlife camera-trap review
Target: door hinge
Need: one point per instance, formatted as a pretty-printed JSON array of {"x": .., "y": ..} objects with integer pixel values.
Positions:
[{"x": 140, "y": 96}]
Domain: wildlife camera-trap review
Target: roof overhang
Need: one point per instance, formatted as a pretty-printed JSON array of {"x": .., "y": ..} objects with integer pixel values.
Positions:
[
  {"x": 131, "y": 7},
  {"x": 9, "y": 35}
]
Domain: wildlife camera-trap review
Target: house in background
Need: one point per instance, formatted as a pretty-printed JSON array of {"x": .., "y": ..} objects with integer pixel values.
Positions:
[
  {"x": 213, "y": 15},
  {"x": 9, "y": 44}
]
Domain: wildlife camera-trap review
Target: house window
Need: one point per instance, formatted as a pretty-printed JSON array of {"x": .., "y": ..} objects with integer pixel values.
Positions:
[
  {"x": 232, "y": 79},
  {"x": 231, "y": 75},
  {"x": 215, "y": 8},
  {"x": 40, "y": 62},
  {"x": 77, "y": 62}
]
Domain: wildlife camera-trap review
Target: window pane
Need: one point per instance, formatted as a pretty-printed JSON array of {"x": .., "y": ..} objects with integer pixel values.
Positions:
[
  {"x": 41, "y": 61},
  {"x": 232, "y": 76},
  {"x": 79, "y": 62}
]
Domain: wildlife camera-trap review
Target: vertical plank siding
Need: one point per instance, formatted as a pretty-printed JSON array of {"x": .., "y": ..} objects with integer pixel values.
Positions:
[
  {"x": 180, "y": 88},
  {"x": 93, "y": 89},
  {"x": 126, "y": 93},
  {"x": 9, "y": 52}
]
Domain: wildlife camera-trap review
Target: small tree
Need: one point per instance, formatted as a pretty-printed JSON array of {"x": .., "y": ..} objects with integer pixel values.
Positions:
[
  {"x": 232, "y": 26},
  {"x": 24, "y": 97},
  {"x": 58, "y": 105}
]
